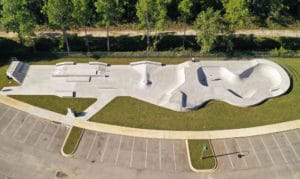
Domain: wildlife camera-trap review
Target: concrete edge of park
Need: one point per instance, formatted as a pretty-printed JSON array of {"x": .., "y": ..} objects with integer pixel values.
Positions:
[{"x": 149, "y": 133}]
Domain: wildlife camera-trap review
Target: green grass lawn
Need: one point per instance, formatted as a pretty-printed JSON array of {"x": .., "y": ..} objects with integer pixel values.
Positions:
[
  {"x": 4, "y": 81},
  {"x": 195, "y": 148},
  {"x": 56, "y": 104},
  {"x": 73, "y": 140},
  {"x": 126, "y": 111}
]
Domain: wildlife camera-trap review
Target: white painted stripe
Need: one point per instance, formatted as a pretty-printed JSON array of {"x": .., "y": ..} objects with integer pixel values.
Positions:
[
  {"x": 255, "y": 154},
  {"x": 132, "y": 148},
  {"x": 7, "y": 109},
  {"x": 227, "y": 151},
  {"x": 296, "y": 131},
  {"x": 117, "y": 157},
  {"x": 105, "y": 146},
  {"x": 28, "y": 134},
  {"x": 146, "y": 153},
  {"x": 92, "y": 145},
  {"x": 10, "y": 122},
  {"x": 243, "y": 158},
  {"x": 159, "y": 153},
  {"x": 41, "y": 133},
  {"x": 291, "y": 145},
  {"x": 267, "y": 150},
  {"x": 17, "y": 130},
  {"x": 174, "y": 157},
  {"x": 279, "y": 149},
  {"x": 52, "y": 137}
]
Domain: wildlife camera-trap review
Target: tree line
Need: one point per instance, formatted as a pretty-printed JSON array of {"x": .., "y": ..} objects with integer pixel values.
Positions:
[{"x": 209, "y": 17}]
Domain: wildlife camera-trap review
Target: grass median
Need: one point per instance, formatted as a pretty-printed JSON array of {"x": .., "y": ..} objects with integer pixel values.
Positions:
[
  {"x": 55, "y": 103},
  {"x": 201, "y": 154},
  {"x": 73, "y": 140}
]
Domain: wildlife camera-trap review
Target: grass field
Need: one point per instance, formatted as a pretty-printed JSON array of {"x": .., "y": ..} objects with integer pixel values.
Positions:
[
  {"x": 57, "y": 104},
  {"x": 195, "y": 148},
  {"x": 73, "y": 140}
]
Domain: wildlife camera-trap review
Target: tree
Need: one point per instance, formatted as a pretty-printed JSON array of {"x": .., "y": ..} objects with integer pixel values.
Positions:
[
  {"x": 82, "y": 14},
  {"x": 184, "y": 8},
  {"x": 16, "y": 17},
  {"x": 152, "y": 16},
  {"x": 59, "y": 13},
  {"x": 109, "y": 12},
  {"x": 236, "y": 12},
  {"x": 209, "y": 25}
]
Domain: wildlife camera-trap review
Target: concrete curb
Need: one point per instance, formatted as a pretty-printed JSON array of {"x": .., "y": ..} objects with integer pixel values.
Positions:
[
  {"x": 148, "y": 133},
  {"x": 66, "y": 138},
  {"x": 198, "y": 170}
]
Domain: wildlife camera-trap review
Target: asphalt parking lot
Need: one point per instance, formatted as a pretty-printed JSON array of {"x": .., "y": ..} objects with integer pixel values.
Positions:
[
  {"x": 133, "y": 152},
  {"x": 30, "y": 148},
  {"x": 260, "y": 152}
]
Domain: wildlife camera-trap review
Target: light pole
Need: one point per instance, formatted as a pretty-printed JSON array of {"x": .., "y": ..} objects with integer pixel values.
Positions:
[{"x": 204, "y": 148}]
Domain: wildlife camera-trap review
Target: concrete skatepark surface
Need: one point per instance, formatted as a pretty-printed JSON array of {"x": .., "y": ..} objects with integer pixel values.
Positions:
[{"x": 182, "y": 87}]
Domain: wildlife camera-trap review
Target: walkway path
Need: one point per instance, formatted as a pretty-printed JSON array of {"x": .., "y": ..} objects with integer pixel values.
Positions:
[{"x": 216, "y": 134}]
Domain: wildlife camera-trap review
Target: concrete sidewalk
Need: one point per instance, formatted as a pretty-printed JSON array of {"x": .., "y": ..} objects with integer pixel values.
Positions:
[{"x": 164, "y": 134}]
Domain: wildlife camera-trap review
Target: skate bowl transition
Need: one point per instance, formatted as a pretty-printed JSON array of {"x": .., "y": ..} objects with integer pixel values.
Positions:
[{"x": 183, "y": 87}]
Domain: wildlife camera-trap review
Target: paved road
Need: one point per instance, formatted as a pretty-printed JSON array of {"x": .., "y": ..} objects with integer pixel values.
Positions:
[{"x": 30, "y": 149}]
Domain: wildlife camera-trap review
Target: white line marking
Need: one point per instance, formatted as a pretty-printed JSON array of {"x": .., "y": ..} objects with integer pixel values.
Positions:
[
  {"x": 17, "y": 130},
  {"x": 28, "y": 134},
  {"x": 52, "y": 137},
  {"x": 226, "y": 148},
  {"x": 174, "y": 157},
  {"x": 10, "y": 122},
  {"x": 44, "y": 129},
  {"x": 146, "y": 153},
  {"x": 243, "y": 158},
  {"x": 3, "y": 114},
  {"x": 255, "y": 154},
  {"x": 103, "y": 152},
  {"x": 279, "y": 148},
  {"x": 290, "y": 143},
  {"x": 267, "y": 150},
  {"x": 297, "y": 133},
  {"x": 159, "y": 153},
  {"x": 117, "y": 157},
  {"x": 92, "y": 145},
  {"x": 132, "y": 148}
]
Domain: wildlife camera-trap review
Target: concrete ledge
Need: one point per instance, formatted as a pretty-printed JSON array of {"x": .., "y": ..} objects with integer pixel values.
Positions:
[
  {"x": 65, "y": 63},
  {"x": 163, "y": 134}
]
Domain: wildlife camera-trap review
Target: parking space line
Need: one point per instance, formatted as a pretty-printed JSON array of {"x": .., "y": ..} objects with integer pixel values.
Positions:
[
  {"x": 28, "y": 134},
  {"x": 262, "y": 140},
  {"x": 226, "y": 148},
  {"x": 291, "y": 146},
  {"x": 17, "y": 130},
  {"x": 10, "y": 122},
  {"x": 103, "y": 152},
  {"x": 243, "y": 158},
  {"x": 174, "y": 157},
  {"x": 132, "y": 148},
  {"x": 279, "y": 148},
  {"x": 297, "y": 133},
  {"x": 117, "y": 157},
  {"x": 3, "y": 114},
  {"x": 159, "y": 153},
  {"x": 146, "y": 153},
  {"x": 41, "y": 134},
  {"x": 92, "y": 145},
  {"x": 52, "y": 137},
  {"x": 255, "y": 154}
]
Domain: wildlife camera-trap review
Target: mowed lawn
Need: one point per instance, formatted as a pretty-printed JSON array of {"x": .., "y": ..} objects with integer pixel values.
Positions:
[
  {"x": 126, "y": 111},
  {"x": 55, "y": 103}
]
